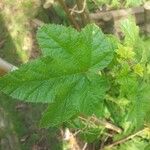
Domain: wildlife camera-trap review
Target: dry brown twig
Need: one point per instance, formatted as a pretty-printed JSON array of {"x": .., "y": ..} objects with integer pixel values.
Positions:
[
  {"x": 81, "y": 9},
  {"x": 73, "y": 10},
  {"x": 103, "y": 142},
  {"x": 104, "y": 123},
  {"x": 6, "y": 67},
  {"x": 70, "y": 17},
  {"x": 85, "y": 146}
]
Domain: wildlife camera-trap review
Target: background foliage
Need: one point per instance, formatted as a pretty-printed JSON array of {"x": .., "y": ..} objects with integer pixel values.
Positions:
[{"x": 124, "y": 75}]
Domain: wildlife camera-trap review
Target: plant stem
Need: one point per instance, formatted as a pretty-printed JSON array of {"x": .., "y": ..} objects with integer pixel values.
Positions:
[
  {"x": 124, "y": 139},
  {"x": 85, "y": 146},
  {"x": 72, "y": 20},
  {"x": 83, "y": 11},
  {"x": 5, "y": 67},
  {"x": 104, "y": 123}
]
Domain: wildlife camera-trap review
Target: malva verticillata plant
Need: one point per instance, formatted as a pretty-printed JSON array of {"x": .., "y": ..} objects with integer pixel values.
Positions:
[{"x": 87, "y": 77}]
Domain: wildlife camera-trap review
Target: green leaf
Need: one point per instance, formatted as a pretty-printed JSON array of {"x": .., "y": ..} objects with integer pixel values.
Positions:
[
  {"x": 133, "y": 144},
  {"x": 58, "y": 112},
  {"x": 134, "y": 3},
  {"x": 66, "y": 75},
  {"x": 131, "y": 32},
  {"x": 88, "y": 48},
  {"x": 83, "y": 97},
  {"x": 140, "y": 107},
  {"x": 138, "y": 95}
]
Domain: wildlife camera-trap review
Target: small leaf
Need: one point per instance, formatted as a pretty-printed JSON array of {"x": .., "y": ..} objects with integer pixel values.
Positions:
[
  {"x": 131, "y": 32},
  {"x": 138, "y": 69},
  {"x": 125, "y": 52}
]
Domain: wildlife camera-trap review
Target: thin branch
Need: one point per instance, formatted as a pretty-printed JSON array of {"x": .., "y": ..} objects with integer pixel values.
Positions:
[
  {"x": 125, "y": 139},
  {"x": 85, "y": 146},
  {"x": 87, "y": 14},
  {"x": 2, "y": 43},
  {"x": 104, "y": 123},
  {"x": 96, "y": 4},
  {"x": 73, "y": 10},
  {"x": 107, "y": 124},
  {"x": 72, "y": 20},
  {"x": 83, "y": 11},
  {"x": 38, "y": 23},
  {"x": 104, "y": 139},
  {"x": 6, "y": 67}
]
